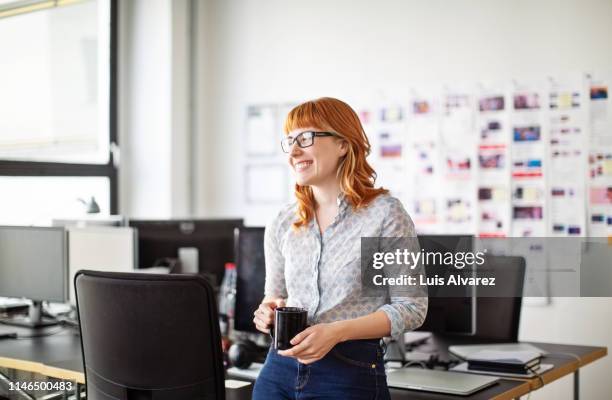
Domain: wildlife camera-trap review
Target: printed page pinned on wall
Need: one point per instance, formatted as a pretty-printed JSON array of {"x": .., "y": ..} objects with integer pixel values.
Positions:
[
  {"x": 600, "y": 155},
  {"x": 366, "y": 112},
  {"x": 423, "y": 161},
  {"x": 528, "y": 199},
  {"x": 600, "y": 109},
  {"x": 529, "y": 143},
  {"x": 458, "y": 143},
  {"x": 388, "y": 134},
  {"x": 266, "y": 184},
  {"x": 600, "y": 182},
  {"x": 458, "y": 139},
  {"x": 600, "y": 206},
  {"x": 567, "y": 116},
  {"x": 262, "y": 131},
  {"x": 493, "y": 137},
  {"x": 493, "y": 210}
]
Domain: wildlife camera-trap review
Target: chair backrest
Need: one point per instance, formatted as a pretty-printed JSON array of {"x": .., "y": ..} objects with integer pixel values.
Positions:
[{"x": 147, "y": 336}]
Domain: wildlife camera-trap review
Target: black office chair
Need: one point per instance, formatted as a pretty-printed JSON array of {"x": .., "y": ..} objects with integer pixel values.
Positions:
[{"x": 147, "y": 336}]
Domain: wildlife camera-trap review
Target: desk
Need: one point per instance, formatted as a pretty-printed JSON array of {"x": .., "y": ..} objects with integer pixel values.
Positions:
[
  {"x": 563, "y": 366},
  {"x": 59, "y": 356},
  {"x": 56, "y": 356},
  {"x": 561, "y": 356}
]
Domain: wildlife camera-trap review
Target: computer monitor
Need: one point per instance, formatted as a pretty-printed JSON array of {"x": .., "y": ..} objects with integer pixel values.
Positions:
[
  {"x": 498, "y": 317},
  {"x": 213, "y": 239},
  {"x": 106, "y": 249},
  {"x": 251, "y": 275},
  {"x": 454, "y": 311},
  {"x": 33, "y": 264}
]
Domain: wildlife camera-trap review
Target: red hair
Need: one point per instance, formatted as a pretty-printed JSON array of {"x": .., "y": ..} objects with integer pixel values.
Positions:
[{"x": 357, "y": 177}]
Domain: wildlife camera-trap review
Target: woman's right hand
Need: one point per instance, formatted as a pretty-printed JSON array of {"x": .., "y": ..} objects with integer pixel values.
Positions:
[{"x": 264, "y": 315}]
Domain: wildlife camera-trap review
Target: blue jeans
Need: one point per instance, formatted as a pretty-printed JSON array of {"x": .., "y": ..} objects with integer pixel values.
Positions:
[{"x": 351, "y": 370}]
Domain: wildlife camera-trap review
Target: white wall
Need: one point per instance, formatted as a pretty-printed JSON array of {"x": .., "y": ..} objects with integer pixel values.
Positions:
[
  {"x": 277, "y": 50},
  {"x": 583, "y": 321},
  {"x": 154, "y": 110}
]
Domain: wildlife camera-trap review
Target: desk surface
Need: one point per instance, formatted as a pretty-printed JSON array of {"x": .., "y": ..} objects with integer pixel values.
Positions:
[
  {"x": 59, "y": 356},
  {"x": 510, "y": 388}
]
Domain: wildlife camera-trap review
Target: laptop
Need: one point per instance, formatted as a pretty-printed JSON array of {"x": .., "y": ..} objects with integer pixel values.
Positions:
[{"x": 431, "y": 380}]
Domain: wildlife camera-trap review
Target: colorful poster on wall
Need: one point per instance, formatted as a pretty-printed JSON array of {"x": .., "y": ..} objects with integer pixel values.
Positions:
[
  {"x": 600, "y": 155},
  {"x": 529, "y": 143},
  {"x": 568, "y": 150},
  {"x": 493, "y": 161},
  {"x": 423, "y": 162},
  {"x": 458, "y": 143},
  {"x": 493, "y": 210},
  {"x": 388, "y": 140}
]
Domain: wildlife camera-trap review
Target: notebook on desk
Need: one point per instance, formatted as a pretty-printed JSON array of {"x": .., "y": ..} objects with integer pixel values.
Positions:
[
  {"x": 438, "y": 381},
  {"x": 464, "y": 351},
  {"x": 520, "y": 362},
  {"x": 540, "y": 369}
]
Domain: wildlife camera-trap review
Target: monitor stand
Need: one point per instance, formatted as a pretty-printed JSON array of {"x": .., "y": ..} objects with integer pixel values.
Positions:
[{"x": 34, "y": 319}]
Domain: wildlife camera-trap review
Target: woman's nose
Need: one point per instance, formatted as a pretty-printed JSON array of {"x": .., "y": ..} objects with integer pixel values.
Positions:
[{"x": 295, "y": 149}]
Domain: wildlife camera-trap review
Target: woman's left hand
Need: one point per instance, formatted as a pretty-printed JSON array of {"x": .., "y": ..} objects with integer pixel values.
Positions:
[{"x": 313, "y": 343}]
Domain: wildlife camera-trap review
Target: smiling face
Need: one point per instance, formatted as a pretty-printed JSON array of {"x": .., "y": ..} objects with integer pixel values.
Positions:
[{"x": 316, "y": 165}]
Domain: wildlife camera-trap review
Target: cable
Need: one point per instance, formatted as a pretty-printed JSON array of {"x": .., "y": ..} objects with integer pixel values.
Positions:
[
  {"x": 539, "y": 374},
  {"x": 55, "y": 332},
  {"x": 420, "y": 363}
]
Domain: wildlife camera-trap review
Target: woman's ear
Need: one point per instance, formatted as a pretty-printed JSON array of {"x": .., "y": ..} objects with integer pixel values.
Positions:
[{"x": 344, "y": 146}]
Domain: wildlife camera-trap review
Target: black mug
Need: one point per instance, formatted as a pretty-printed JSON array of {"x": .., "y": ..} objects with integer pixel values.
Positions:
[{"x": 288, "y": 322}]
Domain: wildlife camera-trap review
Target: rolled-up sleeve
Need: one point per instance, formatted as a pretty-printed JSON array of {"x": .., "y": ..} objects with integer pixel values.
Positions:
[
  {"x": 275, "y": 262},
  {"x": 406, "y": 313}
]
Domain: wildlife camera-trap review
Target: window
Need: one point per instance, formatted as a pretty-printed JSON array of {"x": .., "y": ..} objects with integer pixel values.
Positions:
[
  {"x": 36, "y": 200},
  {"x": 58, "y": 125}
]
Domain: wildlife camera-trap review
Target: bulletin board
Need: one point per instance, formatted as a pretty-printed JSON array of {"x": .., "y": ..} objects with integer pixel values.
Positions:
[{"x": 517, "y": 158}]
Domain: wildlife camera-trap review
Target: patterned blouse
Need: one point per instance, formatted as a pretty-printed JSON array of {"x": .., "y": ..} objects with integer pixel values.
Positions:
[{"x": 322, "y": 272}]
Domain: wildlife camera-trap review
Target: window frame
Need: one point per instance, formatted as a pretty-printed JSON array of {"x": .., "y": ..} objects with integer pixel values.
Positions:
[{"x": 111, "y": 168}]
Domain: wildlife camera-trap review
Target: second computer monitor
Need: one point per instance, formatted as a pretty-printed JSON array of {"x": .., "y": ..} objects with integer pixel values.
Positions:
[
  {"x": 251, "y": 275},
  {"x": 33, "y": 263},
  {"x": 448, "y": 313},
  {"x": 213, "y": 239}
]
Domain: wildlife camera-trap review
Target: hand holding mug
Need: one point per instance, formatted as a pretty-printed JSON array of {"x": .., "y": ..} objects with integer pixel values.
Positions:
[{"x": 264, "y": 315}]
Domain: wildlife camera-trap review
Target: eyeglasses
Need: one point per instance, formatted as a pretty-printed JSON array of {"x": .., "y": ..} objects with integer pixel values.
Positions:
[{"x": 304, "y": 139}]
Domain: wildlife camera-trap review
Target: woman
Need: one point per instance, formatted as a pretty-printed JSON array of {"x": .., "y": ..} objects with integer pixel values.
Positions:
[{"x": 312, "y": 252}]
